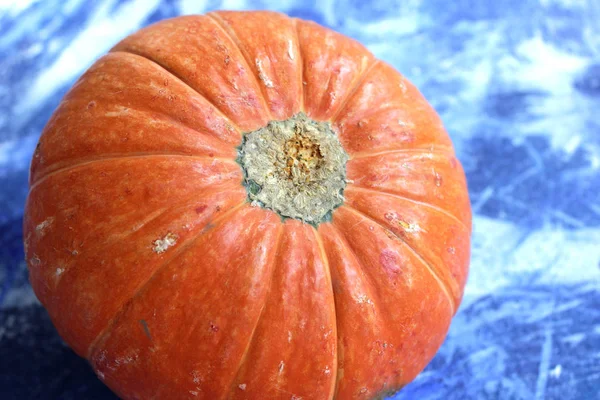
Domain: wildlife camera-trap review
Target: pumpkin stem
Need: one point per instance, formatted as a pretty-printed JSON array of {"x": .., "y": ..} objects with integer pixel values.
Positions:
[{"x": 295, "y": 167}]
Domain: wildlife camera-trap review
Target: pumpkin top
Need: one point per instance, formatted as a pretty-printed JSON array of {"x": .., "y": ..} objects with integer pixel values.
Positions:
[{"x": 295, "y": 167}]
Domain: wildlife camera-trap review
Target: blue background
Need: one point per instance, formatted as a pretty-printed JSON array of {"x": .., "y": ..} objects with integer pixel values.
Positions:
[{"x": 517, "y": 83}]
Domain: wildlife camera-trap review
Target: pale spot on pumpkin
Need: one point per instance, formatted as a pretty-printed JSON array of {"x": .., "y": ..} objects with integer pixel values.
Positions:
[
  {"x": 100, "y": 375},
  {"x": 289, "y": 336},
  {"x": 262, "y": 75},
  {"x": 327, "y": 371},
  {"x": 121, "y": 111},
  {"x": 363, "y": 299},
  {"x": 438, "y": 178},
  {"x": 294, "y": 397},
  {"x": 242, "y": 386},
  {"x": 451, "y": 250},
  {"x": 409, "y": 227},
  {"x": 101, "y": 356},
  {"x": 35, "y": 261},
  {"x": 124, "y": 360},
  {"x": 402, "y": 86},
  {"x": 196, "y": 377},
  {"x": 161, "y": 245},
  {"x": 26, "y": 243},
  {"x": 59, "y": 272},
  {"x": 281, "y": 366},
  {"x": 42, "y": 228},
  {"x": 193, "y": 393},
  {"x": 290, "y": 50}
]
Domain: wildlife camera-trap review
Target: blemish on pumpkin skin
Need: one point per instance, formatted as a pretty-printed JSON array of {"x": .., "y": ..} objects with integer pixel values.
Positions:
[
  {"x": 281, "y": 366},
  {"x": 201, "y": 208},
  {"x": 162, "y": 245},
  {"x": 42, "y": 228},
  {"x": 197, "y": 378},
  {"x": 364, "y": 299},
  {"x": 389, "y": 261},
  {"x": 262, "y": 76},
  {"x": 121, "y": 112},
  {"x": 214, "y": 327},
  {"x": 145, "y": 328},
  {"x": 35, "y": 261},
  {"x": 242, "y": 386},
  {"x": 438, "y": 179},
  {"x": 406, "y": 226},
  {"x": 26, "y": 242},
  {"x": 290, "y": 50},
  {"x": 208, "y": 227}
]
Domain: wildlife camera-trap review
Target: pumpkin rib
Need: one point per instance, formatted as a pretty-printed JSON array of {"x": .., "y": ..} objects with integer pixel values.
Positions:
[
  {"x": 325, "y": 259},
  {"x": 110, "y": 159},
  {"x": 174, "y": 121},
  {"x": 346, "y": 244},
  {"x": 244, "y": 357},
  {"x": 121, "y": 156},
  {"x": 350, "y": 252},
  {"x": 179, "y": 78},
  {"x": 442, "y": 150},
  {"x": 179, "y": 251},
  {"x": 224, "y": 26},
  {"x": 355, "y": 86},
  {"x": 442, "y": 284},
  {"x": 187, "y": 88},
  {"x": 428, "y": 205},
  {"x": 301, "y": 63},
  {"x": 115, "y": 238},
  {"x": 170, "y": 118}
]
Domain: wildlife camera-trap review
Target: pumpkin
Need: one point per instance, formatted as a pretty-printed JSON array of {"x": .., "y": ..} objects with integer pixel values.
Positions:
[{"x": 246, "y": 205}]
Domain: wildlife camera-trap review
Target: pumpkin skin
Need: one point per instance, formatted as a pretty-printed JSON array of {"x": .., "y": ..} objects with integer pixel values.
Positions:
[{"x": 152, "y": 264}]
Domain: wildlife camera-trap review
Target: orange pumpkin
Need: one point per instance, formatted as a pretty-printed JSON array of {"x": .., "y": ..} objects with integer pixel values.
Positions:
[{"x": 245, "y": 205}]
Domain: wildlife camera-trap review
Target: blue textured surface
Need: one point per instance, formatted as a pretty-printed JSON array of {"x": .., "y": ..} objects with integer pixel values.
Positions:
[{"x": 517, "y": 83}]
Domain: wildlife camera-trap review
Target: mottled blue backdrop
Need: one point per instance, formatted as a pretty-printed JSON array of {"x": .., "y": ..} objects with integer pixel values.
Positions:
[{"x": 517, "y": 83}]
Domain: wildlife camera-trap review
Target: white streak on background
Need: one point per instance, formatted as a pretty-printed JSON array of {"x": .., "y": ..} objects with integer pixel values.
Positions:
[
  {"x": 102, "y": 32},
  {"x": 545, "y": 357}
]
